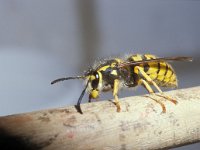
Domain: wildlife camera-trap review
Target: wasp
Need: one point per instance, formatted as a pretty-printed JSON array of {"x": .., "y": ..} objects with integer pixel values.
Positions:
[{"x": 140, "y": 69}]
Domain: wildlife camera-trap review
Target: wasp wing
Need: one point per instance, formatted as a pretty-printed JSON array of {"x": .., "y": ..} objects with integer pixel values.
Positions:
[{"x": 129, "y": 63}]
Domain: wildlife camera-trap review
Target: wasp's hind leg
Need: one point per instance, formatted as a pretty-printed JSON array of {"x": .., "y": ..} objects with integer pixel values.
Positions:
[
  {"x": 149, "y": 89},
  {"x": 167, "y": 98},
  {"x": 144, "y": 75},
  {"x": 115, "y": 94},
  {"x": 161, "y": 94}
]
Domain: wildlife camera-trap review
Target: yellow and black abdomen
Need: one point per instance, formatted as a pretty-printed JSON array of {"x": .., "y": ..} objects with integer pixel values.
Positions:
[{"x": 160, "y": 72}]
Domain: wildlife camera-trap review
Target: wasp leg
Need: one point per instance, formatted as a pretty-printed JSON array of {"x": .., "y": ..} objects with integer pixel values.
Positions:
[
  {"x": 115, "y": 94},
  {"x": 168, "y": 98},
  {"x": 89, "y": 100},
  {"x": 149, "y": 89},
  {"x": 156, "y": 86}
]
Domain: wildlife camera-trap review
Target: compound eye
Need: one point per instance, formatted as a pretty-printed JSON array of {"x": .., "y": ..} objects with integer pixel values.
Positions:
[{"x": 95, "y": 82}]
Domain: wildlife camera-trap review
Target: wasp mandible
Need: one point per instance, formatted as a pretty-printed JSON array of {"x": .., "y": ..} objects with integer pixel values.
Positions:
[{"x": 113, "y": 74}]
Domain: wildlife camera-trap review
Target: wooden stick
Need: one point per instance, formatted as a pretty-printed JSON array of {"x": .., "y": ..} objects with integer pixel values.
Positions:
[{"x": 140, "y": 125}]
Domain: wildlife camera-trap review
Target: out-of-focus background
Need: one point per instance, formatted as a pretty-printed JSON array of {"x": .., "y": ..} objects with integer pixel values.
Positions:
[{"x": 43, "y": 40}]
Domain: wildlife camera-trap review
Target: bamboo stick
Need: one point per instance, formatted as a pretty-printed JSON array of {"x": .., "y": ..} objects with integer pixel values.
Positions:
[{"x": 140, "y": 125}]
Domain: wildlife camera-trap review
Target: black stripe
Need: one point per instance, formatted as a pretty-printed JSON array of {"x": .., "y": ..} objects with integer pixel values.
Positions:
[
  {"x": 171, "y": 74},
  {"x": 169, "y": 78},
  {"x": 146, "y": 65},
  {"x": 158, "y": 68},
  {"x": 166, "y": 70}
]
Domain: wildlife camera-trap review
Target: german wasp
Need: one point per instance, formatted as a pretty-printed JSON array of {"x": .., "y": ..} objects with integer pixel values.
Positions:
[{"x": 113, "y": 74}]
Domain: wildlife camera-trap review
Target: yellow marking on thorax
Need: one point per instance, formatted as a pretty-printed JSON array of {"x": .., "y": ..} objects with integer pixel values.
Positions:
[
  {"x": 114, "y": 72},
  {"x": 118, "y": 60},
  {"x": 103, "y": 68},
  {"x": 113, "y": 65},
  {"x": 136, "y": 57}
]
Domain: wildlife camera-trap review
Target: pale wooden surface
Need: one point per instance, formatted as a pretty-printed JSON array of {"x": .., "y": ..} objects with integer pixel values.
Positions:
[{"x": 140, "y": 125}]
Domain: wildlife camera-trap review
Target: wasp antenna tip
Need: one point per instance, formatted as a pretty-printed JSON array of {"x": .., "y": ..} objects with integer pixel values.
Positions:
[{"x": 78, "y": 108}]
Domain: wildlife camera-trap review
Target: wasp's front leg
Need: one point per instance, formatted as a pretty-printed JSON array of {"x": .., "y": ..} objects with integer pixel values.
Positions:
[{"x": 115, "y": 94}]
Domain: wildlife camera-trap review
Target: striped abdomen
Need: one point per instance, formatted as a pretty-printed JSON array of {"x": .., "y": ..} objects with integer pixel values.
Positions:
[{"x": 161, "y": 72}]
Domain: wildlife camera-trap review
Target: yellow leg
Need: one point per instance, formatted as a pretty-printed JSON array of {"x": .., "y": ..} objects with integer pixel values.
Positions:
[
  {"x": 115, "y": 94},
  {"x": 148, "y": 78},
  {"x": 155, "y": 85},
  {"x": 168, "y": 98},
  {"x": 149, "y": 89}
]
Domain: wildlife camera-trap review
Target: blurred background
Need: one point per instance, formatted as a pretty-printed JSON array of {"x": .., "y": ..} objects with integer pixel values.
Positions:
[{"x": 43, "y": 40}]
